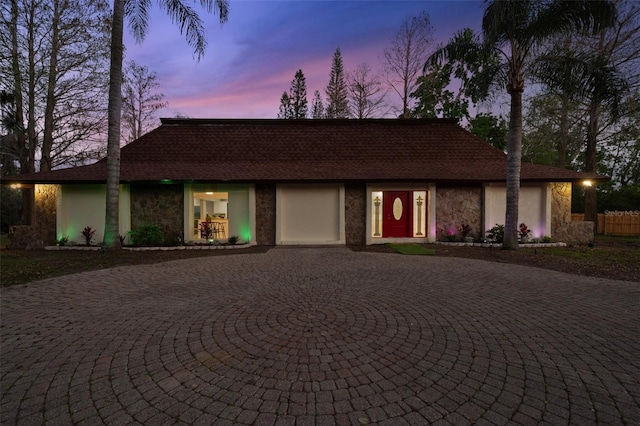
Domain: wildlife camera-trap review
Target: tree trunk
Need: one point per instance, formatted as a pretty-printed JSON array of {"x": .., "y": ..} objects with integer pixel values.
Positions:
[
  {"x": 590, "y": 204},
  {"x": 47, "y": 139},
  {"x": 514, "y": 153},
  {"x": 28, "y": 202},
  {"x": 17, "y": 91},
  {"x": 563, "y": 140},
  {"x": 32, "y": 138},
  {"x": 138, "y": 119},
  {"x": 112, "y": 225}
]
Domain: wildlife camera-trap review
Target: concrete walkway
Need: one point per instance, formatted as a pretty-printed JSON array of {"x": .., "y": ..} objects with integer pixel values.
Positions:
[{"x": 321, "y": 336}]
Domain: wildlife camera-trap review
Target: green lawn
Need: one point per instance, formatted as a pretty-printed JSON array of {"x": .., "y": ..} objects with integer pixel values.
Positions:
[{"x": 412, "y": 249}]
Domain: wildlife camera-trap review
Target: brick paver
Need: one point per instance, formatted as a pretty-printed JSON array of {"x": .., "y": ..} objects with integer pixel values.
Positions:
[{"x": 321, "y": 336}]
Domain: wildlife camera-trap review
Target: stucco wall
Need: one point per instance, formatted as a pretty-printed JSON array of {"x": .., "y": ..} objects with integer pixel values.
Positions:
[
  {"x": 265, "y": 214},
  {"x": 45, "y": 217},
  {"x": 533, "y": 207},
  {"x": 238, "y": 213},
  {"x": 80, "y": 206},
  {"x": 160, "y": 204},
  {"x": 458, "y": 205},
  {"x": 355, "y": 213}
]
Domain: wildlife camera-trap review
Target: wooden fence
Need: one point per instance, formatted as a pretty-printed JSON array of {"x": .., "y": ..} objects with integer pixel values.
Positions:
[{"x": 615, "y": 223}]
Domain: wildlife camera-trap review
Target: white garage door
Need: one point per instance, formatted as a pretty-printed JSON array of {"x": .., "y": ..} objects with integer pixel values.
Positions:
[{"x": 310, "y": 214}]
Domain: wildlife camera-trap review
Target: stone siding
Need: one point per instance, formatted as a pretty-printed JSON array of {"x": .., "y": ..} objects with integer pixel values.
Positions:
[
  {"x": 161, "y": 205},
  {"x": 265, "y": 214},
  {"x": 455, "y": 206},
  {"x": 574, "y": 233},
  {"x": 560, "y": 206},
  {"x": 562, "y": 229},
  {"x": 45, "y": 221},
  {"x": 355, "y": 214},
  {"x": 43, "y": 231}
]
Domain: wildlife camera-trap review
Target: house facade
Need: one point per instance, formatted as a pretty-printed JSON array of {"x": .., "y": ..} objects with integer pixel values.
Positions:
[{"x": 279, "y": 182}]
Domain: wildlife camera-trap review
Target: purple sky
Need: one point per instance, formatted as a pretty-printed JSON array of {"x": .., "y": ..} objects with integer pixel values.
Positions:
[{"x": 252, "y": 59}]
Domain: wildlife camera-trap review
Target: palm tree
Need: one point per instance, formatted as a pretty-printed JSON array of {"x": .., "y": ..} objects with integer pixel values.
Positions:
[
  {"x": 594, "y": 79},
  {"x": 514, "y": 30},
  {"x": 138, "y": 13},
  {"x": 603, "y": 74}
]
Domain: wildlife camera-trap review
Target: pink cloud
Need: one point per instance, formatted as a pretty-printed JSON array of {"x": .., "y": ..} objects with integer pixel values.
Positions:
[{"x": 252, "y": 59}]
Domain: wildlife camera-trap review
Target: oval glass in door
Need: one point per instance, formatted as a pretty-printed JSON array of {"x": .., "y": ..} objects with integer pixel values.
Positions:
[
  {"x": 396, "y": 212},
  {"x": 397, "y": 208}
]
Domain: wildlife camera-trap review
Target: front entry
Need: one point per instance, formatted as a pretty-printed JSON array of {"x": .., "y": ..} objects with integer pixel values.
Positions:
[{"x": 396, "y": 214}]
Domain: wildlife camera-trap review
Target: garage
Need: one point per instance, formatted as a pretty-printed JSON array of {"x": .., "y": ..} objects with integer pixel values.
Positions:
[{"x": 310, "y": 214}]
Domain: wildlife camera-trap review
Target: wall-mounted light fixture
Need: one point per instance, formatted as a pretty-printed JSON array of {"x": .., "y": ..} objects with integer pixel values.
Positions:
[
  {"x": 587, "y": 183},
  {"x": 376, "y": 203},
  {"x": 419, "y": 203}
]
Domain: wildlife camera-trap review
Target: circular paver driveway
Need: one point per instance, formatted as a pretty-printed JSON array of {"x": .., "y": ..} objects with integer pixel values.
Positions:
[{"x": 321, "y": 336}]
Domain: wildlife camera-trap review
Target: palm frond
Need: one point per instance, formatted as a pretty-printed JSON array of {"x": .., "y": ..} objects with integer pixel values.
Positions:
[
  {"x": 472, "y": 61},
  {"x": 137, "y": 11},
  {"x": 582, "y": 76},
  {"x": 505, "y": 20},
  {"x": 581, "y": 16},
  {"x": 221, "y": 7},
  {"x": 190, "y": 23},
  {"x": 465, "y": 46}
]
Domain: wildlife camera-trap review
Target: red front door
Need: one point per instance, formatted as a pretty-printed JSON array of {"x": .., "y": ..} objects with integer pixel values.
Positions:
[{"x": 396, "y": 214}]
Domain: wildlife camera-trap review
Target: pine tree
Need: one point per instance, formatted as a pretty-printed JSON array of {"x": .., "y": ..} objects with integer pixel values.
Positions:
[
  {"x": 286, "y": 110},
  {"x": 337, "y": 95},
  {"x": 298, "y": 96},
  {"x": 317, "y": 108}
]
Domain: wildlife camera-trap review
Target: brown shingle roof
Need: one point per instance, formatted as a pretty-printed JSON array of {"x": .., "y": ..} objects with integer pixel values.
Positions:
[{"x": 256, "y": 150}]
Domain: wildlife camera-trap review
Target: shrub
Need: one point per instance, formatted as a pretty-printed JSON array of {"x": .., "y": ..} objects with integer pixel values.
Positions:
[
  {"x": 465, "y": 230},
  {"x": 206, "y": 229},
  {"x": 146, "y": 234},
  {"x": 63, "y": 241},
  {"x": 233, "y": 239},
  {"x": 546, "y": 239},
  {"x": 451, "y": 234},
  {"x": 88, "y": 233},
  {"x": 174, "y": 240},
  {"x": 496, "y": 234},
  {"x": 524, "y": 232}
]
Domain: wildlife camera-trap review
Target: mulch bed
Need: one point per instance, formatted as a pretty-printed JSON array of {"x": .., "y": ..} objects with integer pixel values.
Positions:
[
  {"x": 610, "y": 258},
  {"x": 614, "y": 259}
]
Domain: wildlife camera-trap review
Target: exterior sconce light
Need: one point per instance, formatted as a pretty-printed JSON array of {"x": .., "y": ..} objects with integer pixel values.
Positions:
[
  {"x": 376, "y": 203},
  {"x": 587, "y": 183},
  {"x": 419, "y": 201}
]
